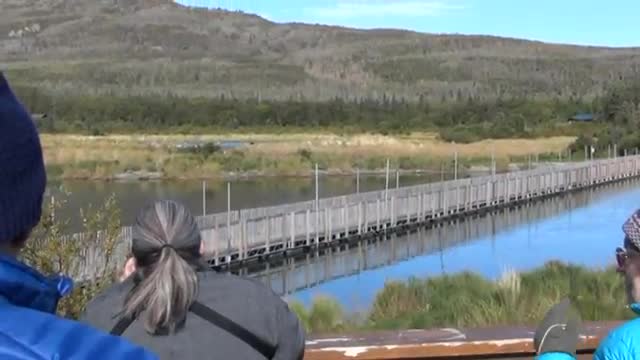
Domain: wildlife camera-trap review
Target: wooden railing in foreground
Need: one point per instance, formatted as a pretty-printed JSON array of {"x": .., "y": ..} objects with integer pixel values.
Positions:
[{"x": 434, "y": 344}]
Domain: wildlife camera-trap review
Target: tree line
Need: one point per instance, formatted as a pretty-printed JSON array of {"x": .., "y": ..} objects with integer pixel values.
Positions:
[
  {"x": 463, "y": 120},
  {"x": 619, "y": 113}
]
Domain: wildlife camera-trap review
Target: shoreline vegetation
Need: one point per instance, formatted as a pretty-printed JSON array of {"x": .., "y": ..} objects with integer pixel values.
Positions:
[
  {"x": 50, "y": 251},
  {"x": 169, "y": 157},
  {"x": 468, "y": 300}
]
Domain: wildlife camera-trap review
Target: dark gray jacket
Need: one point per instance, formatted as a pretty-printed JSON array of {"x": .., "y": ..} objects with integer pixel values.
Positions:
[{"x": 247, "y": 302}]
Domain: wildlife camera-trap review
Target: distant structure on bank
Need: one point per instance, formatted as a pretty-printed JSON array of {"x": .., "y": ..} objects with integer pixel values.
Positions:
[
  {"x": 211, "y": 146},
  {"x": 582, "y": 117}
]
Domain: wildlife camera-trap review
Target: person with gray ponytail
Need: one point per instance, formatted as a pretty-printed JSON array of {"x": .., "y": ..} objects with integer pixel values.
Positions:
[{"x": 170, "y": 303}]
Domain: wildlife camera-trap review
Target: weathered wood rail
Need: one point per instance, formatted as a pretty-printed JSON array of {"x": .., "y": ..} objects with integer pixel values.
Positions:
[
  {"x": 251, "y": 234},
  {"x": 513, "y": 342}
]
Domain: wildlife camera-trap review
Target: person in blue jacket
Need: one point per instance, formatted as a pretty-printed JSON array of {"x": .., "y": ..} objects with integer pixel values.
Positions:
[
  {"x": 557, "y": 336},
  {"x": 29, "y": 328}
]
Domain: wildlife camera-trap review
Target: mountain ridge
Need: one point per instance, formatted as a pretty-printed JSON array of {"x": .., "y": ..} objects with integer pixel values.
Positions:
[{"x": 161, "y": 47}]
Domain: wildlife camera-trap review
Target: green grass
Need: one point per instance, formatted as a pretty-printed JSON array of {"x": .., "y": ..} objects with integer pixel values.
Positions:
[{"x": 470, "y": 300}]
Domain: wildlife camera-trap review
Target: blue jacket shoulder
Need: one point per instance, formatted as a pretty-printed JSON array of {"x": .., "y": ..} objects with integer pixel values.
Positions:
[
  {"x": 622, "y": 343},
  {"x": 28, "y": 334}
]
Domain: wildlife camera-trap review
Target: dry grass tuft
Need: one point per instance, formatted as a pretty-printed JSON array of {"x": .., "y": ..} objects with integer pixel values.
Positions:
[{"x": 278, "y": 154}]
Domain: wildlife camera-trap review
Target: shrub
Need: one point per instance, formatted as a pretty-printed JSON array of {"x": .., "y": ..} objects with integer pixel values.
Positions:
[
  {"x": 580, "y": 143},
  {"x": 305, "y": 154},
  {"x": 325, "y": 315},
  {"x": 52, "y": 252},
  {"x": 470, "y": 300}
]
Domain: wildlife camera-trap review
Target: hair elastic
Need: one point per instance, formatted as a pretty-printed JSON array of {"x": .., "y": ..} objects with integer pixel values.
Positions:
[{"x": 167, "y": 246}]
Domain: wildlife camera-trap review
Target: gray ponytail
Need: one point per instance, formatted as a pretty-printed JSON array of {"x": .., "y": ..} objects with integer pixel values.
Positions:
[{"x": 166, "y": 245}]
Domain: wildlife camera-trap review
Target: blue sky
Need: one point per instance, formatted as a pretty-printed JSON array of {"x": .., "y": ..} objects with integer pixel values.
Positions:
[{"x": 585, "y": 22}]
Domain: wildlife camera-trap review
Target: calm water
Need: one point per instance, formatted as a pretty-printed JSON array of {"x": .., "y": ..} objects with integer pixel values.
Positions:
[
  {"x": 582, "y": 228},
  {"x": 132, "y": 196}
]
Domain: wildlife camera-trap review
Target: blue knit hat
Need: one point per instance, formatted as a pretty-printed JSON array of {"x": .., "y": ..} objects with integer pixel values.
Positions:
[{"x": 22, "y": 174}]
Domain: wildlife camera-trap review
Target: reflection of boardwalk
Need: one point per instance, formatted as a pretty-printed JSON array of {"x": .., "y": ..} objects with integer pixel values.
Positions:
[
  {"x": 311, "y": 269},
  {"x": 251, "y": 235}
]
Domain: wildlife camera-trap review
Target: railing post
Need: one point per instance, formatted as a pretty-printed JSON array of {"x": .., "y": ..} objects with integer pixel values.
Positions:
[
  {"x": 393, "y": 212},
  {"x": 292, "y": 230},
  {"x": 316, "y": 228},
  {"x": 488, "y": 193},
  {"x": 284, "y": 236},
  {"x": 507, "y": 180},
  {"x": 345, "y": 218},
  {"x": 268, "y": 220},
  {"x": 229, "y": 221},
  {"x": 243, "y": 237},
  {"x": 317, "y": 204},
  {"x": 378, "y": 214},
  {"x": 326, "y": 225},
  {"x": 330, "y": 224},
  {"x": 307, "y": 225},
  {"x": 360, "y": 218},
  {"x": 445, "y": 197},
  {"x": 386, "y": 184}
]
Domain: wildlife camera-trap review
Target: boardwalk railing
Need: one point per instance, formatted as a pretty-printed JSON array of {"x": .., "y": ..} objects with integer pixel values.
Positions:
[{"x": 248, "y": 234}]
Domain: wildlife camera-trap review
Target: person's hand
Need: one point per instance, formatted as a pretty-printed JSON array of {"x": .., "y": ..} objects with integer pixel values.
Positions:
[{"x": 558, "y": 331}]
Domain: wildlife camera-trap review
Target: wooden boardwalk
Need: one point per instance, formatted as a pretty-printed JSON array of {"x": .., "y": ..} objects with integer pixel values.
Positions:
[
  {"x": 312, "y": 268},
  {"x": 252, "y": 233},
  {"x": 246, "y": 235}
]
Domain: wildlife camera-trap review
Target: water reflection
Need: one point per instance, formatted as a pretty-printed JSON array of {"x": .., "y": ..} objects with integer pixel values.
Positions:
[{"x": 581, "y": 228}]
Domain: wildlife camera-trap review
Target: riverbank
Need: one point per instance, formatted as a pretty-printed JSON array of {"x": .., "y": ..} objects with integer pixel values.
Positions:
[
  {"x": 469, "y": 300},
  {"x": 151, "y": 157}
]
